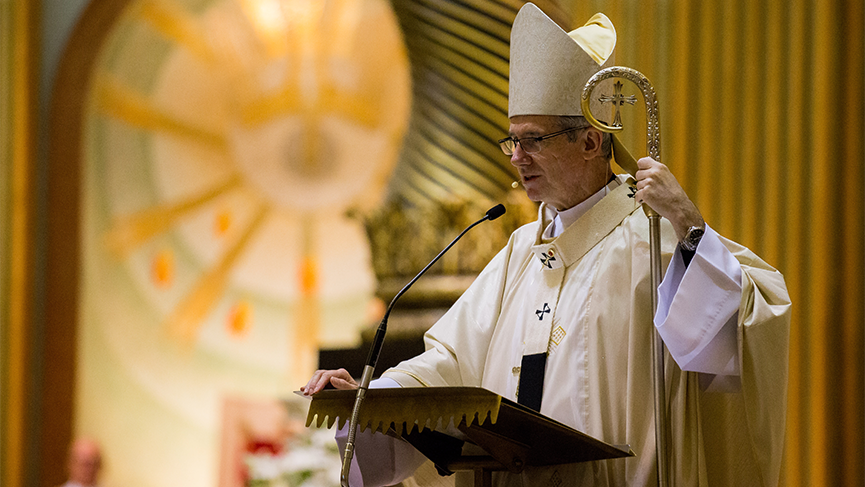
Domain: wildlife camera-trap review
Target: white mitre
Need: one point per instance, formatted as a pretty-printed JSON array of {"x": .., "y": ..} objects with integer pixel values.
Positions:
[{"x": 550, "y": 67}]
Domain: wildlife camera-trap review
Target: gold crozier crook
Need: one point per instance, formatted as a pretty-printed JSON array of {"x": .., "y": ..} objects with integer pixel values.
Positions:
[{"x": 653, "y": 142}]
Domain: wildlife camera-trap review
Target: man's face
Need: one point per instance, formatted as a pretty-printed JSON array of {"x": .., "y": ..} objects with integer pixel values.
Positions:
[{"x": 563, "y": 173}]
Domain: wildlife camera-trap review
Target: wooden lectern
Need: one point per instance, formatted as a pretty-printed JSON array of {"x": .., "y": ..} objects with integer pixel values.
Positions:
[{"x": 512, "y": 435}]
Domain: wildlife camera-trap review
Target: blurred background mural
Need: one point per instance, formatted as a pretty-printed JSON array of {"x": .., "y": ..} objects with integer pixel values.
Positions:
[{"x": 203, "y": 200}]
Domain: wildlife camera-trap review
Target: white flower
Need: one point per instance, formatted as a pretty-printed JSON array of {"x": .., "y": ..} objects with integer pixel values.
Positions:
[{"x": 311, "y": 459}]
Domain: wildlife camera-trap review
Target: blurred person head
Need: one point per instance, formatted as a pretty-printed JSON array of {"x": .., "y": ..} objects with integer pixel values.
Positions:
[{"x": 85, "y": 460}]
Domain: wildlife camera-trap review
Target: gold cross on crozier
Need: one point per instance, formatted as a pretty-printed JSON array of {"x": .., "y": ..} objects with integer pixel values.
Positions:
[{"x": 618, "y": 99}]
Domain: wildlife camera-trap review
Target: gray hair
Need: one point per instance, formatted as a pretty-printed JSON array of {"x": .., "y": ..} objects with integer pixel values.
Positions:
[{"x": 577, "y": 121}]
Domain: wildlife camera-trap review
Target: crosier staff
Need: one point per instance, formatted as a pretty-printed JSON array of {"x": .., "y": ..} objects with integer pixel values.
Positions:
[{"x": 653, "y": 143}]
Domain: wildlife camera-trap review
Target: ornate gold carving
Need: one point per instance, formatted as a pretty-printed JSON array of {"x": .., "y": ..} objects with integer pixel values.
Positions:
[
  {"x": 618, "y": 99},
  {"x": 653, "y": 138},
  {"x": 403, "y": 239},
  {"x": 653, "y": 122}
]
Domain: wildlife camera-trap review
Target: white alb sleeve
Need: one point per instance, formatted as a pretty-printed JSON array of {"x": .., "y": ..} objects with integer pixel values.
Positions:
[
  {"x": 379, "y": 459},
  {"x": 698, "y": 308}
]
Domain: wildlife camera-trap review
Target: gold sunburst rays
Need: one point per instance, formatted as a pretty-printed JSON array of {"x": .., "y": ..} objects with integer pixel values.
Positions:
[
  {"x": 276, "y": 22},
  {"x": 312, "y": 106},
  {"x": 324, "y": 74},
  {"x": 262, "y": 109},
  {"x": 130, "y": 232},
  {"x": 362, "y": 108},
  {"x": 185, "y": 320},
  {"x": 346, "y": 25},
  {"x": 170, "y": 20},
  {"x": 318, "y": 40},
  {"x": 117, "y": 100}
]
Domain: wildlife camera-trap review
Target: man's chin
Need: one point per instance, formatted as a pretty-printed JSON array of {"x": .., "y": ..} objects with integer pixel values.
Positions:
[{"x": 532, "y": 191}]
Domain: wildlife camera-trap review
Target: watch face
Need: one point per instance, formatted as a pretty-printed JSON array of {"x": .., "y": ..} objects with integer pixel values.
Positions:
[{"x": 692, "y": 238}]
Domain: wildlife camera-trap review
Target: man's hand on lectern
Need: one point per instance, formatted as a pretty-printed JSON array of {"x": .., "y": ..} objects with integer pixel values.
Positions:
[{"x": 339, "y": 379}]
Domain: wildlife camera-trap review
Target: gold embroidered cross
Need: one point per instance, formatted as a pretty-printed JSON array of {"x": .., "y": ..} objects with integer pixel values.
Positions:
[{"x": 618, "y": 99}]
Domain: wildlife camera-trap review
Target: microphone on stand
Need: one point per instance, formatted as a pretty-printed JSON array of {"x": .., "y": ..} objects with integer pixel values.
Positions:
[{"x": 378, "y": 341}]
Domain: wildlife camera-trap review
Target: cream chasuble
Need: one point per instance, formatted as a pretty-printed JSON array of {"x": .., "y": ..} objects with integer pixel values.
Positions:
[{"x": 584, "y": 298}]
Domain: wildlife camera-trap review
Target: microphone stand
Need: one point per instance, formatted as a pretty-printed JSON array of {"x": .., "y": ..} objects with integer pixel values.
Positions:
[{"x": 378, "y": 341}]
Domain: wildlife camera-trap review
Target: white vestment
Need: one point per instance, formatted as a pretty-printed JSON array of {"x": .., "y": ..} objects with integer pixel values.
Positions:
[{"x": 584, "y": 298}]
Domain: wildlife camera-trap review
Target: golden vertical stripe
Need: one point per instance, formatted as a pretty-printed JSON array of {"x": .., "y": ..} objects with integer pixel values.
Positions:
[
  {"x": 706, "y": 114},
  {"x": 16, "y": 429},
  {"x": 127, "y": 234},
  {"x": 660, "y": 47},
  {"x": 853, "y": 259},
  {"x": 824, "y": 69},
  {"x": 186, "y": 318},
  {"x": 613, "y": 10},
  {"x": 729, "y": 112},
  {"x": 14, "y": 333},
  {"x": 797, "y": 445},
  {"x": 773, "y": 216},
  {"x": 577, "y": 12},
  {"x": 639, "y": 54},
  {"x": 19, "y": 243},
  {"x": 641, "y": 25},
  {"x": 675, "y": 153},
  {"x": 773, "y": 140},
  {"x": 751, "y": 104}
]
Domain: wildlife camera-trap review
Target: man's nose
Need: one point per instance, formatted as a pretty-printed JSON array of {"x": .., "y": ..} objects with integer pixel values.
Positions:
[{"x": 519, "y": 157}]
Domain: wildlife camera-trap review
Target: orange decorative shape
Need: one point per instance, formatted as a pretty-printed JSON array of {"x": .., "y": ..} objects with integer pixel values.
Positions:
[
  {"x": 240, "y": 319},
  {"x": 162, "y": 268},
  {"x": 223, "y": 222},
  {"x": 308, "y": 276}
]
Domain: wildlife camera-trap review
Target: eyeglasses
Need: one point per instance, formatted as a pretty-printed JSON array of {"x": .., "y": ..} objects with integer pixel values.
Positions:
[{"x": 531, "y": 145}]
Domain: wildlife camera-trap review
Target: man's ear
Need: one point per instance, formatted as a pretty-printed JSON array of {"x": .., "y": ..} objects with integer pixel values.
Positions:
[{"x": 592, "y": 140}]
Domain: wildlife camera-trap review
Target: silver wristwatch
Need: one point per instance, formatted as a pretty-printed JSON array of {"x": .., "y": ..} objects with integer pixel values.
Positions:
[{"x": 692, "y": 238}]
